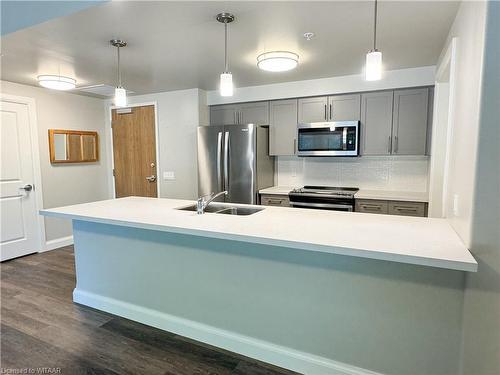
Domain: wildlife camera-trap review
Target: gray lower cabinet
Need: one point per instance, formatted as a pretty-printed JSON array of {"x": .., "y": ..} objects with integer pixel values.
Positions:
[
  {"x": 245, "y": 113},
  {"x": 283, "y": 127},
  {"x": 376, "y": 123},
  {"x": 410, "y": 122},
  {"x": 408, "y": 208},
  {"x": 344, "y": 107},
  {"x": 371, "y": 206},
  {"x": 274, "y": 200},
  {"x": 375, "y": 206}
]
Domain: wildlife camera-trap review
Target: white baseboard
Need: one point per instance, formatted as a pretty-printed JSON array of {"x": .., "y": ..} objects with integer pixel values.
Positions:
[
  {"x": 262, "y": 350},
  {"x": 57, "y": 243}
]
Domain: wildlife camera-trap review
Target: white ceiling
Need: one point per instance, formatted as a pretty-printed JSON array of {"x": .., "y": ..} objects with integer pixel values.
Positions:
[{"x": 179, "y": 45}]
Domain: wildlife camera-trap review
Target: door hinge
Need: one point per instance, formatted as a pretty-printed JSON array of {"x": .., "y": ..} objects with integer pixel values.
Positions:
[{"x": 113, "y": 172}]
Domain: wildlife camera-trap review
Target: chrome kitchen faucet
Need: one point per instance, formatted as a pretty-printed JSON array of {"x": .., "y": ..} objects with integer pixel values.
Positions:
[{"x": 202, "y": 204}]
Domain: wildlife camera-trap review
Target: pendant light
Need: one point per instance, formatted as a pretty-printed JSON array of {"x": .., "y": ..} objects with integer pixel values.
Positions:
[
  {"x": 120, "y": 99},
  {"x": 373, "y": 67},
  {"x": 226, "y": 78}
]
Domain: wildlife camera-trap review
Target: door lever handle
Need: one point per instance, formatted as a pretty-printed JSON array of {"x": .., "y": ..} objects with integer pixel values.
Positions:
[
  {"x": 151, "y": 178},
  {"x": 27, "y": 188}
]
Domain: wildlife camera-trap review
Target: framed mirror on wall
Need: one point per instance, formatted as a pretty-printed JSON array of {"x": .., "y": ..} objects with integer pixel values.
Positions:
[{"x": 73, "y": 146}]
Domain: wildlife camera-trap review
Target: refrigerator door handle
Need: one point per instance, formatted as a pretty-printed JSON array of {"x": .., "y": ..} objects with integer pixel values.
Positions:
[
  {"x": 226, "y": 161},
  {"x": 219, "y": 161}
]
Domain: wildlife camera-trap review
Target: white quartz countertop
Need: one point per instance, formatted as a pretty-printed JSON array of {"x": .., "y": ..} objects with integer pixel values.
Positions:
[
  {"x": 392, "y": 195},
  {"x": 277, "y": 190},
  {"x": 413, "y": 240}
]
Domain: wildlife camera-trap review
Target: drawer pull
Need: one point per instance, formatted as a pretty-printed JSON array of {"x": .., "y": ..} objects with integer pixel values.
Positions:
[
  {"x": 407, "y": 209},
  {"x": 371, "y": 207},
  {"x": 275, "y": 201}
]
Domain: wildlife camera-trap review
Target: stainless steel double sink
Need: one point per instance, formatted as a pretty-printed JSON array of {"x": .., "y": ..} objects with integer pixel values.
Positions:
[{"x": 215, "y": 208}]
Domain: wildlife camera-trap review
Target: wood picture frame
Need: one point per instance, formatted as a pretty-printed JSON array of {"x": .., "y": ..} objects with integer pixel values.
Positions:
[{"x": 73, "y": 146}]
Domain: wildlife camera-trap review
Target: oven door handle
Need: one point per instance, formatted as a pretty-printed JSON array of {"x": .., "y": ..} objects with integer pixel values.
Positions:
[{"x": 321, "y": 205}]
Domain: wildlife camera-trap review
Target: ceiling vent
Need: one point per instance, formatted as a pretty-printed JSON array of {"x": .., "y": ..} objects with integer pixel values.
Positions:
[{"x": 100, "y": 90}]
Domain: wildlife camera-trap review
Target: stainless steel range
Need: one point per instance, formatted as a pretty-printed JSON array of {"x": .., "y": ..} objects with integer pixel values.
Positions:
[{"x": 324, "y": 197}]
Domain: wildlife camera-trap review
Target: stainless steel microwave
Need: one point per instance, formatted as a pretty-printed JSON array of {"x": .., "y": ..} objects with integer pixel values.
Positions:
[{"x": 339, "y": 138}]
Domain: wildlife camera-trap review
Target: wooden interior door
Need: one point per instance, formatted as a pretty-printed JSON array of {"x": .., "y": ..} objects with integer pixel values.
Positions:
[{"x": 134, "y": 151}]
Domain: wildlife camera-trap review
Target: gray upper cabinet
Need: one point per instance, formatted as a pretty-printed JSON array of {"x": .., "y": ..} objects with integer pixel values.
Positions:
[
  {"x": 376, "y": 123},
  {"x": 329, "y": 108},
  {"x": 410, "y": 122},
  {"x": 223, "y": 114},
  {"x": 344, "y": 107},
  {"x": 254, "y": 113},
  {"x": 283, "y": 127},
  {"x": 246, "y": 113},
  {"x": 313, "y": 109},
  {"x": 393, "y": 122}
]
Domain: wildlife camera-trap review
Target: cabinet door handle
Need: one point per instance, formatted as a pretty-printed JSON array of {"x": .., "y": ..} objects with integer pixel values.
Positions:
[
  {"x": 331, "y": 117},
  {"x": 396, "y": 144},
  {"x": 234, "y": 117},
  {"x": 326, "y": 118},
  {"x": 389, "y": 145},
  {"x": 294, "y": 146}
]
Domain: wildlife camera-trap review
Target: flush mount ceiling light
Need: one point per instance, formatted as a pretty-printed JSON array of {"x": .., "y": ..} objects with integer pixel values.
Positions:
[
  {"x": 373, "y": 68},
  {"x": 120, "y": 99},
  {"x": 55, "y": 82},
  {"x": 226, "y": 78},
  {"x": 277, "y": 61}
]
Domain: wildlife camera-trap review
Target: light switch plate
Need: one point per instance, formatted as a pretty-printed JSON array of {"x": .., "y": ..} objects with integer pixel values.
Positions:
[
  {"x": 169, "y": 175},
  {"x": 455, "y": 205}
]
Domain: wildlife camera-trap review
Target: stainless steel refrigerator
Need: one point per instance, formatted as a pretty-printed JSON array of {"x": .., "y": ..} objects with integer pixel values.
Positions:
[{"x": 234, "y": 158}]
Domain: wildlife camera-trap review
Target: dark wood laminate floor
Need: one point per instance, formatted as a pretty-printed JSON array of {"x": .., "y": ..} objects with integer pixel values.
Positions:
[{"x": 42, "y": 328}]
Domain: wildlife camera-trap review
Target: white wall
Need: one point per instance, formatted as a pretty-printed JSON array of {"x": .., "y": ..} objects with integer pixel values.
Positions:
[
  {"x": 400, "y": 173},
  {"x": 412, "y": 77},
  {"x": 66, "y": 184},
  {"x": 179, "y": 114},
  {"x": 481, "y": 347},
  {"x": 468, "y": 27}
]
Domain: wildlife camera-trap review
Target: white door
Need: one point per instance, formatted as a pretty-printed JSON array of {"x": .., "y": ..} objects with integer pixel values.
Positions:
[{"x": 19, "y": 229}]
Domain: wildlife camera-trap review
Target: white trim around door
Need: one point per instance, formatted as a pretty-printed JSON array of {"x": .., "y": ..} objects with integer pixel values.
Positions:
[
  {"x": 37, "y": 174},
  {"x": 110, "y": 143}
]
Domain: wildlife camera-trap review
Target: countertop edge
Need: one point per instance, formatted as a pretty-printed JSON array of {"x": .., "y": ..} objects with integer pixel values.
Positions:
[{"x": 360, "y": 253}]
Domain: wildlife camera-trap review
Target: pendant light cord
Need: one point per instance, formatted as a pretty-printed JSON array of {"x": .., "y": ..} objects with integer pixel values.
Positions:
[
  {"x": 119, "y": 70},
  {"x": 226, "y": 65},
  {"x": 375, "y": 28}
]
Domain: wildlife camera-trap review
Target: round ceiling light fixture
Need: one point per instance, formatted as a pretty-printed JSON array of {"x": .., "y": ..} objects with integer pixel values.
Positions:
[
  {"x": 56, "y": 82},
  {"x": 277, "y": 61}
]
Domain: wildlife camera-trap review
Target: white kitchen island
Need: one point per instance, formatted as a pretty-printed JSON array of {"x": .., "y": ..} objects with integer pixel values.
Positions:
[{"x": 319, "y": 292}]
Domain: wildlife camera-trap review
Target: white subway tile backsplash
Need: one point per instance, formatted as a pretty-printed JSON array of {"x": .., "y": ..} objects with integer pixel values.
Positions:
[{"x": 400, "y": 173}]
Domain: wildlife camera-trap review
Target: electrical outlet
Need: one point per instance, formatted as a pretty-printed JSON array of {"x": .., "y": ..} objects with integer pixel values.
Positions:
[
  {"x": 455, "y": 205},
  {"x": 169, "y": 175}
]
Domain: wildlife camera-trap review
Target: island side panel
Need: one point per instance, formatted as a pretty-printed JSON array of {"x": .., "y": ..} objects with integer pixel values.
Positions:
[{"x": 385, "y": 316}]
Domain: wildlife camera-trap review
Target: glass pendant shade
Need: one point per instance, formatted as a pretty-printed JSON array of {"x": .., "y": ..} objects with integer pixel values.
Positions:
[
  {"x": 120, "y": 99},
  {"x": 56, "y": 82},
  {"x": 226, "y": 84},
  {"x": 373, "y": 65}
]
